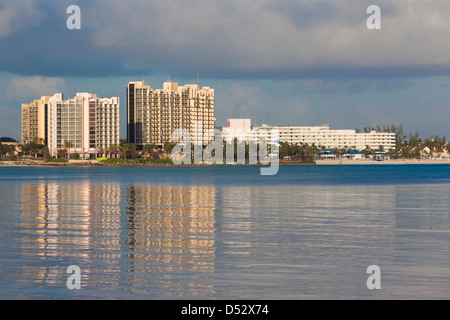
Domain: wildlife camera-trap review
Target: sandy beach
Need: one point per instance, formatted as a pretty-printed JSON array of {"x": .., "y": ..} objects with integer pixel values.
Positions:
[{"x": 393, "y": 161}]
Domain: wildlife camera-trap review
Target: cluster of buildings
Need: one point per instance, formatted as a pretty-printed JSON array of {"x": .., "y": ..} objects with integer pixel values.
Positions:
[{"x": 87, "y": 124}]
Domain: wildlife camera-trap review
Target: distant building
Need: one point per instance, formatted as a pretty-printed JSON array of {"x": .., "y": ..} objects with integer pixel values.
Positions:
[
  {"x": 319, "y": 136},
  {"x": 16, "y": 147},
  {"x": 322, "y": 136},
  {"x": 239, "y": 129},
  {"x": 34, "y": 120},
  {"x": 154, "y": 114},
  {"x": 87, "y": 122},
  {"x": 7, "y": 139}
]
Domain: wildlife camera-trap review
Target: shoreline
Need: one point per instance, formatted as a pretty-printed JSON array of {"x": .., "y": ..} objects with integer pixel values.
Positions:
[{"x": 96, "y": 163}]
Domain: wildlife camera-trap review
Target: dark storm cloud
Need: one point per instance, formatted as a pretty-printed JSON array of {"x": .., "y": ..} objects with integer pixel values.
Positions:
[{"x": 250, "y": 39}]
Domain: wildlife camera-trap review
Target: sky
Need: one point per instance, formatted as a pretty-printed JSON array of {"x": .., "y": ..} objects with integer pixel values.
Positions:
[{"x": 279, "y": 62}]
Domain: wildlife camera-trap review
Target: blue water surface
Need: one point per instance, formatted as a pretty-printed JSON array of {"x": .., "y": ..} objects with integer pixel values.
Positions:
[{"x": 225, "y": 232}]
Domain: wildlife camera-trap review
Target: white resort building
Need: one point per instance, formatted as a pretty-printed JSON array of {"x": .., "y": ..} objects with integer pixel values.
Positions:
[{"x": 320, "y": 136}]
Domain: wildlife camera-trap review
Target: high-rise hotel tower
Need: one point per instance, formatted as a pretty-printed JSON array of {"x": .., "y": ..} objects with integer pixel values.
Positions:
[
  {"x": 34, "y": 121},
  {"x": 154, "y": 114},
  {"x": 88, "y": 123}
]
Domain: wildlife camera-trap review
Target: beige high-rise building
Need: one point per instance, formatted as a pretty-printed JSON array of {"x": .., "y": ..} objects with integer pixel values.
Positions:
[
  {"x": 34, "y": 121},
  {"x": 154, "y": 114},
  {"x": 89, "y": 123}
]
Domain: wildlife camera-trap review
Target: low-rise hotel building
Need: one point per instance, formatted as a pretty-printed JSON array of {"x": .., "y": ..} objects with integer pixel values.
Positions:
[
  {"x": 322, "y": 136},
  {"x": 317, "y": 135}
]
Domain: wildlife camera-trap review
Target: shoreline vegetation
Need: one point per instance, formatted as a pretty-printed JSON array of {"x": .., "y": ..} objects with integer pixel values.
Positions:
[
  {"x": 122, "y": 163},
  {"x": 168, "y": 162}
]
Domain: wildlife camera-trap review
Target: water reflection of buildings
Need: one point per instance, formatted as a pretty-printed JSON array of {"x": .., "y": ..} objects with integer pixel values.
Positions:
[
  {"x": 161, "y": 241},
  {"x": 146, "y": 240},
  {"x": 170, "y": 230},
  {"x": 67, "y": 223}
]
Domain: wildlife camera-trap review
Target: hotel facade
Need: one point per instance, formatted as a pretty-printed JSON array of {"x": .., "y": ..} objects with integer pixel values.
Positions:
[
  {"x": 154, "y": 114},
  {"x": 317, "y": 135},
  {"x": 87, "y": 122},
  {"x": 322, "y": 136},
  {"x": 34, "y": 116}
]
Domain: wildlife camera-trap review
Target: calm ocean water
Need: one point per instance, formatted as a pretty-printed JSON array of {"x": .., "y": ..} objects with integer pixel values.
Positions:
[{"x": 309, "y": 232}]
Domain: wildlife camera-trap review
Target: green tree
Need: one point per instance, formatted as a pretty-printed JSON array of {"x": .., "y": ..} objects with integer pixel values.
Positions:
[
  {"x": 62, "y": 153},
  {"x": 6, "y": 149},
  {"x": 30, "y": 148},
  {"x": 132, "y": 150},
  {"x": 124, "y": 150},
  {"x": 128, "y": 150},
  {"x": 45, "y": 152},
  {"x": 113, "y": 149},
  {"x": 367, "y": 151},
  {"x": 168, "y": 146},
  {"x": 148, "y": 149},
  {"x": 68, "y": 145}
]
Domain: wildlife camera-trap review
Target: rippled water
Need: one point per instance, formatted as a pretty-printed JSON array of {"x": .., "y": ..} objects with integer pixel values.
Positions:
[{"x": 309, "y": 232}]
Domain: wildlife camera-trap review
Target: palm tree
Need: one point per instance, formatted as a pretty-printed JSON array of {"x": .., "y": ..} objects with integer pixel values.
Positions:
[
  {"x": 6, "y": 149},
  {"x": 132, "y": 149},
  {"x": 148, "y": 149},
  {"x": 168, "y": 146},
  {"x": 123, "y": 150},
  {"x": 45, "y": 152},
  {"x": 62, "y": 153},
  {"x": 128, "y": 149},
  {"x": 2, "y": 149},
  {"x": 367, "y": 151},
  {"x": 30, "y": 148},
  {"x": 113, "y": 149},
  {"x": 68, "y": 145}
]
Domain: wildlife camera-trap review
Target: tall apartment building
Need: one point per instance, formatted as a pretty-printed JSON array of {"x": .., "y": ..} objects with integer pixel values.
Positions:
[
  {"x": 323, "y": 136},
  {"x": 34, "y": 116},
  {"x": 154, "y": 114},
  {"x": 87, "y": 122}
]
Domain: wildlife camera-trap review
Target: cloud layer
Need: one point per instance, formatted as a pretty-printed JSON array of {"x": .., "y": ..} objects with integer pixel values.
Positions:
[
  {"x": 30, "y": 88},
  {"x": 232, "y": 38},
  {"x": 16, "y": 15}
]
